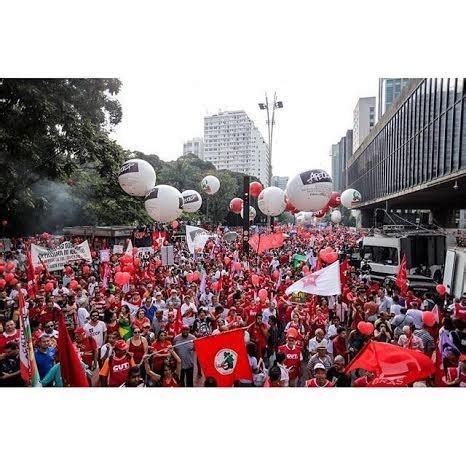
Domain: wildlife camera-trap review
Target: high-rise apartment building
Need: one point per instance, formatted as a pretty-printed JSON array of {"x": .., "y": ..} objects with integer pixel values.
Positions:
[
  {"x": 194, "y": 146},
  {"x": 233, "y": 142},
  {"x": 363, "y": 120},
  {"x": 389, "y": 90},
  {"x": 280, "y": 181},
  {"x": 340, "y": 153}
]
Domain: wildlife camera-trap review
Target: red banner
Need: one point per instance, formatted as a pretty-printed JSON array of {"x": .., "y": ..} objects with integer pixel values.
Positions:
[
  {"x": 223, "y": 357},
  {"x": 261, "y": 243}
]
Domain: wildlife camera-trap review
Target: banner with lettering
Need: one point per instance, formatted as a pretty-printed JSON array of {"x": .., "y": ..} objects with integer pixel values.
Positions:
[{"x": 56, "y": 259}]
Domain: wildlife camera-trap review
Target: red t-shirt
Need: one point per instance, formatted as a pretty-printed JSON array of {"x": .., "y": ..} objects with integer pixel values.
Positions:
[
  {"x": 86, "y": 348},
  {"x": 312, "y": 383},
  {"x": 13, "y": 337},
  {"x": 171, "y": 383},
  {"x": 293, "y": 360},
  {"x": 460, "y": 311},
  {"x": 157, "y": 361}
]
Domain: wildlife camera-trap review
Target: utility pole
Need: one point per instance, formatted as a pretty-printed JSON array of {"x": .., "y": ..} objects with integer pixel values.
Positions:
[{"x": 246, "y": 222}]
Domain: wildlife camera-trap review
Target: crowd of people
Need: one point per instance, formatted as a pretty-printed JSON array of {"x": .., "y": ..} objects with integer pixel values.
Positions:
[{"x": 141, "y": 334}]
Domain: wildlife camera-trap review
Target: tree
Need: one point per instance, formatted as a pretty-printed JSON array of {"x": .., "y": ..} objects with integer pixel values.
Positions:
[{"x": 49, "y": 128}]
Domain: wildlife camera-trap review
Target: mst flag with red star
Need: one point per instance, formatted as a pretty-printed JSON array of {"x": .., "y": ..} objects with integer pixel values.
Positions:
[
  {"x": 323, "y": 282},
  {"x": 223, "y": 357}
]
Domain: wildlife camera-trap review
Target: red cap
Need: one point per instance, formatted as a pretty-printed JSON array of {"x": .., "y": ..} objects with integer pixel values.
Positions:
[
  {"x": 121, "y": 345},
  {"x": 292, "y": 333}
]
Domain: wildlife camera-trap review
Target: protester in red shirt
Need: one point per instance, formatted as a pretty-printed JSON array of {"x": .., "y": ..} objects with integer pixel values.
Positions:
[
  {"x": 87, "y": 348},
  {"x": 320, "y": 379},
  {"x": 293, "y": 355}
]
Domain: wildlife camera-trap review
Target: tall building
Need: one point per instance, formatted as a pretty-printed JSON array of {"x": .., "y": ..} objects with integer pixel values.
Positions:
[
  {"x": 363, "y": 120},
  {"x": 389, "y": 90},
  {"x": 194, "y": 146},
  {"x": 280, "y": 181},
  {"x": 340, "y": 153},
  {"x": 233, "y": 142}
]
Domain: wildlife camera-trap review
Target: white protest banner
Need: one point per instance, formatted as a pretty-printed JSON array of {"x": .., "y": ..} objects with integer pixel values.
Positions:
[
  {"x": 105, "y": 255},
  {"x": 196, "y": 238},
  {"x": 118, "y": 249},
  {"x": 56, "y": 259}
]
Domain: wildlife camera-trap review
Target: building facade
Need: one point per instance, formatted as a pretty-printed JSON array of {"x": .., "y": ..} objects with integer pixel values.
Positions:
[
  {"x": 389, "y": 90},
  {"x": 416, "y": 154},
  {"x": 280, "y": 181},
  {"x": 340, "y": 153},
  {"x": 363, "y": 120},
  {"x": 233, "y": 142},
  {"x": 194, "y": 146}
]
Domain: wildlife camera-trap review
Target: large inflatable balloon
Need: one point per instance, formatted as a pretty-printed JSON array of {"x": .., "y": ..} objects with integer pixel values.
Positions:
[
  {"x": 236, "y": 205},
  {"x": 271, "y": 201},
  {"x": 136, "y": 177},
  {"x": 310, "y": 190},
  {"x": 255, "y": 188},
  {"x": 321, "y": 213},
  {"x": 335, "y": 199},
  {"x": 351, "y": 198},
  {"x": 335, "y": 216},
  {"x": 252, "y": 213},
  {"x": 164, "y": 203},
  {"x": 210, "y": 184},
  {"x": 192, "y": 201}
]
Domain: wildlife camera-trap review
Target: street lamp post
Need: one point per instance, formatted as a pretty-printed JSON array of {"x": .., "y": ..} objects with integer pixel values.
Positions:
[{"x": 270, "y": 108}]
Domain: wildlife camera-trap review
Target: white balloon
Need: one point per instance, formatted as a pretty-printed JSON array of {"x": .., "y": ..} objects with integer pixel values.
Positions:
[
  {"x": 210, "y": 184},
  {"x": 351, "y": 198},
  {"x": 310, "y": 190},
  {"x": 335, "y": 216},
  {"x": 252, "y": 213},
  {"x": 164, "y": 203},
  {"x": 136, "y": 177},
  {"x": 271, "y": 201},
  {"x": 192, "y": 200}
]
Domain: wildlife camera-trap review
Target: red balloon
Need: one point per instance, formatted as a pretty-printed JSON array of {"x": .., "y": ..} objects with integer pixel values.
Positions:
[
  {"x": 68, "y": 270},
  {"x": 255, "y": 279},
  {"x": 335, "y": 199},
  {"x": 2, "y": 283},
  {"x": 237, "y": 266},
  {"x": 263, "y": 295},
  {"x": 236, "y": 205},
  {"x": 73, "y": 284},
  {"x": 196, "y": 276},
  {"x": 9, "y": 277},
  {"x": 190, "y": 277},
  {"x": 10, "y": 266},
  {"x": 255, "y": 188},
  {"x": 86, "y": 270},
  {"x": 127, "y": 278},
  {"x": 2, "y": 268},
  {"x": 441, "y": 290},
  {"x": 366, "y": 328},
  {"x": 128, "y": 268},
  {"x": 14, "y": 282},
  {"x": 125, "y": 259},
  {"x": 48, "y": 287},
  {"x": 117, "y": 269},
  {"x": 175, "y": 224},
  {"x": 119, "y": 278},
  {"x": 429, "y": 318},
  {"x": 137, "y": 262}
]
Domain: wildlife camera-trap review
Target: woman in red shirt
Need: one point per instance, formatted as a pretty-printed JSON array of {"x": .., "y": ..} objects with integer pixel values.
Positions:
[
  {"x": 140, "y": 319},
  {"x": 137, "y": 345},
  {"x": 160, "y": 347}
]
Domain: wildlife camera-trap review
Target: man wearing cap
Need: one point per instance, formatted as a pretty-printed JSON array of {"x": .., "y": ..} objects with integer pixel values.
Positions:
[
  {"x": 320, "y": 357},
  {"x": 320, "y": 377},
  {"x": 336, "y": 374},
  {"x": 188, "y": 311},
  {"x": 316, "y": 341},
  {"x": 115, "y": 370},
  {"x": 159, "y": 303},
  {"x": 293, "y": 356},
  {"x": 174, "y": 299}
]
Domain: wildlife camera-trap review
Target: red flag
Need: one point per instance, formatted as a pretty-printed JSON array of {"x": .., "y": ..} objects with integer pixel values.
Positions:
[
  {"x": 178, "y": 322},
  {"x": 439, "y": 370},
  {"x": 32, "y": 285},
  {"x": 261, "y": 243},
  {"x": 343, "y": 270},
  {"x": 389, "y": 361},
  {"x": 158, "y": 238},
  {"x": 402, "y": 277},
  {"x": 223, "y": 357},
  {"x": 71, "y": 369}
]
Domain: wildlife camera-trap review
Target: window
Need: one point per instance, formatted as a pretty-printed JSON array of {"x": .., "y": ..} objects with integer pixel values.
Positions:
[{"x": 381, "y": 254}]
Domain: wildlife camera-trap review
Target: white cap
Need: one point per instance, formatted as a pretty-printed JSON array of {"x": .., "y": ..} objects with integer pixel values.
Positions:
[{"x": 319, "y": 365}]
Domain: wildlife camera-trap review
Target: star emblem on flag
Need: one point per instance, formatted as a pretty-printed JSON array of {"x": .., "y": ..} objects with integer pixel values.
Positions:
[
  {"x": 159, "y": 240},
  {"x": 310, "y": 280}
]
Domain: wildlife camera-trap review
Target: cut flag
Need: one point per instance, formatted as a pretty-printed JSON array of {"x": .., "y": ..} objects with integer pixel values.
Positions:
[
  {"x": 28, "y": 366},
  {"x": 223, "y": 357},
  {"x": 324, "y": 282},
  {"x": 72, "y": 371},
  {"x": 262, "y": 243},
  {"x": 196, "y": 238},
  {"x": 392, "y": 362},
  {"x": 402, "y": 277}
]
